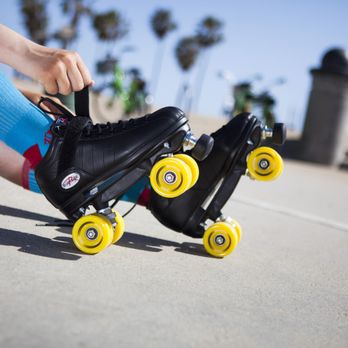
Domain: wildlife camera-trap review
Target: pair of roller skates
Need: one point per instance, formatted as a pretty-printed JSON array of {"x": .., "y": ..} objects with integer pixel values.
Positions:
[
  {"x": 236, "y": 152},
  {"x": 93, "y": 165}
]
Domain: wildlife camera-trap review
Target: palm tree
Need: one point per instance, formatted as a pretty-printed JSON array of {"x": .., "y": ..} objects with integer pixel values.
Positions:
[
  {"x": 243, "y": 97},
  {"x": 75, "y": 9},
  {"x": 162, "y": 24},
  {"x": 106, "y": 65},
  {"x": 110, "y": 27},
  {"x": 35, "y": 19},
  {"x": 136, "y": 97},
  {"x": 186, "y": 52},
  {"x": 267, "y": 102},
  {"x": 208, "y": 34}
]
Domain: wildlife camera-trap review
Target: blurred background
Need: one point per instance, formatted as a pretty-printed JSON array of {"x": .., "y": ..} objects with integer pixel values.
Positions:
[{"x": 211, "y": 58}]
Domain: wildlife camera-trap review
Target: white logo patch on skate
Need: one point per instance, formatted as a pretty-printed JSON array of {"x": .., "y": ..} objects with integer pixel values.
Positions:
[{"x": 70, "y": 181}]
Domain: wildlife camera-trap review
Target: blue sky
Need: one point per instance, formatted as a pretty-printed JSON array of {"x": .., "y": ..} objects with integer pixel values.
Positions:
[{"x": 273, "y": 38}]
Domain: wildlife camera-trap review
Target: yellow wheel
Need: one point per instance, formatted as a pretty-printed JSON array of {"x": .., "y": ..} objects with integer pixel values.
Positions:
[
  {"x": 192, "y": 164},
  {"x": 170, "y": 177},
  {"x": 119, "y": 228},
  {"x": 220, "y": 239},
  {"x": 265, "y": 164},
  {"x": 236, "y": 226},
  {"x": 92, "y": 233}
]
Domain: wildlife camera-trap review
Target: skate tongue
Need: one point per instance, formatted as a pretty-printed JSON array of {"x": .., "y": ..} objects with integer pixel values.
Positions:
[
  {"x": 72, "y": 136},
  {"x": 77, "y": 125}
]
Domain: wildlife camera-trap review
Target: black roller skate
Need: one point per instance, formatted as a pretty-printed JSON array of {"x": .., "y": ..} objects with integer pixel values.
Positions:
[
  {"x": 236, "y": 152},
  {"x": 90, "y": 164}
]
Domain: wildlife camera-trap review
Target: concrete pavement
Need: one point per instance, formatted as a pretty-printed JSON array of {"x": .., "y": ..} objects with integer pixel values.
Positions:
[{"x": 286, "y": 284}]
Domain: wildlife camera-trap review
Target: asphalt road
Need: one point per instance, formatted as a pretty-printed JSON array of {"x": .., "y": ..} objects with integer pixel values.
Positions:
[{"x": 286, "y": 284}]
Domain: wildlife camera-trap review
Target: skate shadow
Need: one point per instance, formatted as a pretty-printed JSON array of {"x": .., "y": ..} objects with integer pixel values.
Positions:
[
  {"x": 146, "y": 243},
  {"x": 136, "y": 241},
  {"x": 40, "y": 246},
  {"x": 63, "y": 248},
  {"x": 33, "y": 244},
  {"x": 25, "y": 214}
]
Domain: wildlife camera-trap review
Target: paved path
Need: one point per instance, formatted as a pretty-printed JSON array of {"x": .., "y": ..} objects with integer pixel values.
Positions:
[{"x": 285, "y": 285}]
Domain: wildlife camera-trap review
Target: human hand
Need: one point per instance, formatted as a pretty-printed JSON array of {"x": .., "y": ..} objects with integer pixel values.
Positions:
[{"x": 58, "y": 70}]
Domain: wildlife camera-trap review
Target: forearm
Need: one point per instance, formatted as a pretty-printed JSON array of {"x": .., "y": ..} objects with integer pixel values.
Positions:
[
  {"x": 56, "y": 69},
  {"x": 15, "y": 49}
]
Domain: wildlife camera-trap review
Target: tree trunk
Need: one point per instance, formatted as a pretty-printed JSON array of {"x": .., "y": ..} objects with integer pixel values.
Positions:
[{"x": 156, "y": 67}]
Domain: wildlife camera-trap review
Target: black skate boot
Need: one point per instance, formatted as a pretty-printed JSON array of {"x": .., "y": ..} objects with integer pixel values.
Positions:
[
  {"x": 236, "y": 152},
  {"x": 90, "y": 164}
]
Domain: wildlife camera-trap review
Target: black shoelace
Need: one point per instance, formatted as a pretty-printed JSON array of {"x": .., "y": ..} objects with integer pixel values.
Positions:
[
  {"x": 107, "y": 128},
  {"x": 91, "y": 129}
]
